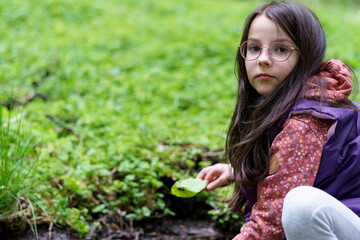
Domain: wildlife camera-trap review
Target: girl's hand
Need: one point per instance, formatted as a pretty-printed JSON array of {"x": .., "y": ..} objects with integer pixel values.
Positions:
[{"x": 217, "y": 175}]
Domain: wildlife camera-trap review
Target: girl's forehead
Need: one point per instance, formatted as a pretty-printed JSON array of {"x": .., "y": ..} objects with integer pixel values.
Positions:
[{"x": 265, "y": 30}]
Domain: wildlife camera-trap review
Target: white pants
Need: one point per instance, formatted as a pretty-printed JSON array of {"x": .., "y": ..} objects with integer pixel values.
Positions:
[{"x": 310, "y": 213}]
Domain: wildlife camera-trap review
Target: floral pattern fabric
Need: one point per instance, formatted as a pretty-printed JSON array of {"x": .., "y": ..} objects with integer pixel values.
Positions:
[{"x": 298, "y": 150}]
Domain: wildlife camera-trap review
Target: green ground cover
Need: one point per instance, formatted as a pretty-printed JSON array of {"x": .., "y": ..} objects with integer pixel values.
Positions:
[{"x": 128, "y": 94}]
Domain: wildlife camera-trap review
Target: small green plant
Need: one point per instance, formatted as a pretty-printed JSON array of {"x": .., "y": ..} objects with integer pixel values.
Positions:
[
  {"x": 17, "y": 180},
  {"x": 220, "y": 213}
]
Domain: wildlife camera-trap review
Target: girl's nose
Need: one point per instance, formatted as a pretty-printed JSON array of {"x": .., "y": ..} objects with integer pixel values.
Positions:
[{"x": 265, "y": 57}]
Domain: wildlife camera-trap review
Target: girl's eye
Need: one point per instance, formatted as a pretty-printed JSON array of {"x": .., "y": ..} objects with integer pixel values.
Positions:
[
  {"x": 254, "y": 48},
  {"x": 281, "y": 49}
]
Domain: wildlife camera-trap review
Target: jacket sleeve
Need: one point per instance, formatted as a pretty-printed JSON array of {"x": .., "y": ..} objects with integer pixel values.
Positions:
[{"x": 295, "y": 159}]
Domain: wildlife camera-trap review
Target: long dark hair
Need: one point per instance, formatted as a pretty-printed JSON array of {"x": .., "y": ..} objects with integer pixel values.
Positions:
[{"x": 256, "y": 117}]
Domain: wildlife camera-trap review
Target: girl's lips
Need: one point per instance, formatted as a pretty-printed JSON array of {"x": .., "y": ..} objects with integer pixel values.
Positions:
[{"x": 263, "y": 76}]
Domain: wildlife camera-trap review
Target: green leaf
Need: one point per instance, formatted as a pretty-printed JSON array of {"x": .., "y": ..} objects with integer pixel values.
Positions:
[
  {"x": 189, "y": 187},
  {"x": 101, "y": 208}
]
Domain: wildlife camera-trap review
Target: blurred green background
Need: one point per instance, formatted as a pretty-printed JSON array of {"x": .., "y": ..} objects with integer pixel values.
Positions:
[{"x": 128, "y": 96}]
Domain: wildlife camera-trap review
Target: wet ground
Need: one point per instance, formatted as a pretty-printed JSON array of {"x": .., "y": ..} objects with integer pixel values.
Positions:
[
  {"x": 113, "y": 226},
  {"x": 116, "y": 226},
  {"x": 171, "y": 229}
]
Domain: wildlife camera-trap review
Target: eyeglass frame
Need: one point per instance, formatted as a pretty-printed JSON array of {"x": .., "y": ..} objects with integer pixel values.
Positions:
[{"x": 269, "y": 51}]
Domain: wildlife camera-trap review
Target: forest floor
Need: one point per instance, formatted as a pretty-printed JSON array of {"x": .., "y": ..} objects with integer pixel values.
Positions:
[{"x": 110, "y": 229}]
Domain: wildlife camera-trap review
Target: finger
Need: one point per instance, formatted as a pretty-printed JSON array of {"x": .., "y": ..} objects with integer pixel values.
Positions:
[
  {"x": 211, "y": 176},
  {"x": 201, "y": 174},
  {"x": 214, "y": 184}
]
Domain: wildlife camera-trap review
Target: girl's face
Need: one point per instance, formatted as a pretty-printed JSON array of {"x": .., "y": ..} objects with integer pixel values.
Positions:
[{"x": 264, "y": 73}]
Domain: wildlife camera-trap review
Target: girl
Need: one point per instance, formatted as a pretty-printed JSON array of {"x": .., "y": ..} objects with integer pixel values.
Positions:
[{"x": 294, "y": 138}]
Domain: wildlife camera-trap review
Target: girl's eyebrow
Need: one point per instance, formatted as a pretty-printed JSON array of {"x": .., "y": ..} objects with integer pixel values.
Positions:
[
  {"x": 284, "y": 40},
  {"x": 276, "y": 40},
  {"x": 253, "y": 39}
]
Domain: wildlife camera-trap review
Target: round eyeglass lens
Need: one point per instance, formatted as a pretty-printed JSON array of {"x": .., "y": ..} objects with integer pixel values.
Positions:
[
  {"x": 280, "y": 51},
  {"x": 250, "y": 50}
]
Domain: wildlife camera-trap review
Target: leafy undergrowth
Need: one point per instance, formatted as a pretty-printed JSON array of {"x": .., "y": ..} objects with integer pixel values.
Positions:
[{"x": 127, "y": 97}]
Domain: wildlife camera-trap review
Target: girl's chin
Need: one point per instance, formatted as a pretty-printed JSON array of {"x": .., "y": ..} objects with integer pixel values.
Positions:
[{"x": 265, "y": 92}]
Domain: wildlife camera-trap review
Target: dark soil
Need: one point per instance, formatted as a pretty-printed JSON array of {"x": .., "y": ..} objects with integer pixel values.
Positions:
[
  {"x": 109, "y": 229},
  {"x": 191, "y": 222}
]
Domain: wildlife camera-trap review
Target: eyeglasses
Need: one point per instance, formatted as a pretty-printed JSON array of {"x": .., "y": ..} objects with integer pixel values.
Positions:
[{"x": 278, "y": 51}]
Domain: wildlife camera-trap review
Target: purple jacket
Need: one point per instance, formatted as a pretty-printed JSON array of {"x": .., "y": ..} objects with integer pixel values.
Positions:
[{"x": 339, "y": 171}]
